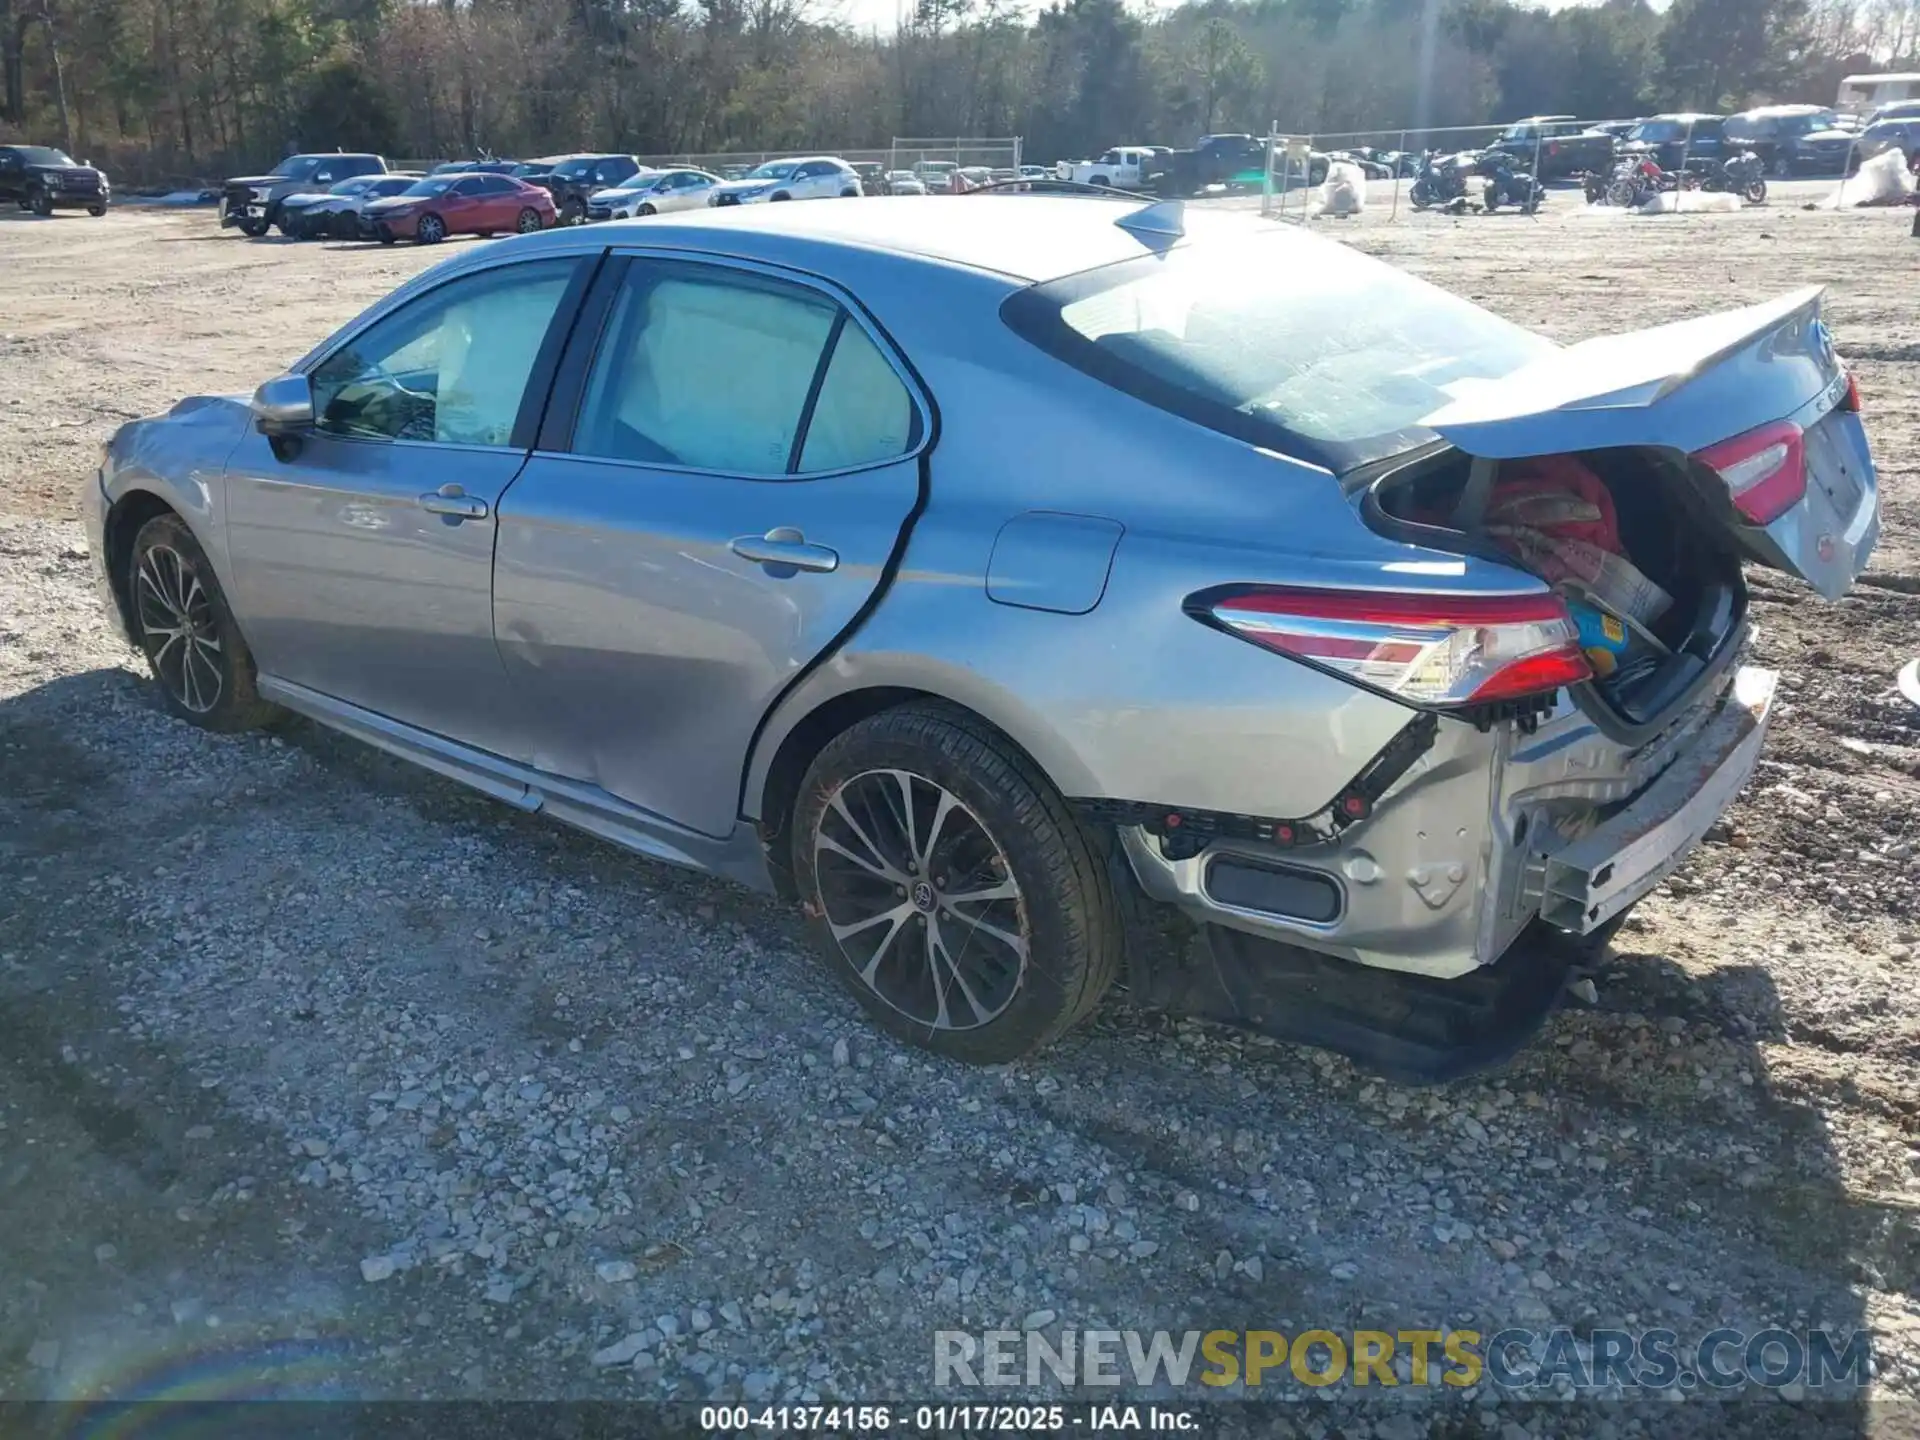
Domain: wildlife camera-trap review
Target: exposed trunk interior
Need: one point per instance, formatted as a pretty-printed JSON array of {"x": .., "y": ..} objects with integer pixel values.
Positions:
[{"x": 1664, "y": 531}]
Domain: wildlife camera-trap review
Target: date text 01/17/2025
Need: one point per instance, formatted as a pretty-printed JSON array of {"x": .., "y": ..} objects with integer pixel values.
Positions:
[{"x": 943, "y": 1419}]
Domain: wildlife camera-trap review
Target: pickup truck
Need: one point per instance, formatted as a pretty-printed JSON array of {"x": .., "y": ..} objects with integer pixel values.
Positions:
[
  {"x": 42, "y": 179},
  {"x": 1125, "y": 167},
  {"x": 1565, "y": 146},
  {"x": 252, "y": 202}
]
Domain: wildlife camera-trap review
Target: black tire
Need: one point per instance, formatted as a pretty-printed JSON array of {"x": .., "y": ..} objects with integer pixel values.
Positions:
[
  {"x": 1013, "y": 830},
  {"x": 40, "y": 203},
  {"x": 386, "y": 238},
  {"x": 781, "y": 196},
  {"x": 849, "y": 194},
  {"x": 430, "y": 231},
  {"x": 254, "y": 229},
  {"x": 646, "y": 208},
  {"x": 205, "y": 675},
  {"x": 527, "y": 222},
  {"x": 1755, "y": 192},
  {"x": 96, "y": 211}
]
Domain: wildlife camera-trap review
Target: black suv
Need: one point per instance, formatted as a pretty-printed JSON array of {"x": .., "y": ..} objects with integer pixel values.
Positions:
[
  {"x": 252, "y": 202},
  {"x": 1565, "y": 146},
  {"x": 1692, "y": 139},
  {"x": 1791, "y": 139},
  {"x": 42, "y": 179},
  {"x": 574, "y": 178}
]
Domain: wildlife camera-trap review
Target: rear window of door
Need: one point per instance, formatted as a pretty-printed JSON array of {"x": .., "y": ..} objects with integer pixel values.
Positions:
[{"x": 706, "y": 367}]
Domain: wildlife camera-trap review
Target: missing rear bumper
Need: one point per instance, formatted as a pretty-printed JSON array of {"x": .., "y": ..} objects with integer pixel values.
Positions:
[
  {"x": 1412, "y": 1029},
  {"x": 1598, "y": 877}
]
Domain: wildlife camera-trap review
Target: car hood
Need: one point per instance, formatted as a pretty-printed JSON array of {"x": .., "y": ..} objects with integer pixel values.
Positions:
[
  {"x": 1830, "y": 137},
  {"x": 394, "y": 202},
  {"x": 742, "y": 187},
  {"x": 613, "y": 196},
  {"x": 260, "y": 180},
  {"x": 309, "y": 197}
]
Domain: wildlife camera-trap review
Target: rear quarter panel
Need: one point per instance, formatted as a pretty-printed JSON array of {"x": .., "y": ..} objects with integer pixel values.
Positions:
[{"x": 1134, "y": 699}]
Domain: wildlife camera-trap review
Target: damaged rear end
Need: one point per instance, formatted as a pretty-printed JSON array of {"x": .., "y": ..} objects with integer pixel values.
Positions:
[{"x": 1574, "y": 737}]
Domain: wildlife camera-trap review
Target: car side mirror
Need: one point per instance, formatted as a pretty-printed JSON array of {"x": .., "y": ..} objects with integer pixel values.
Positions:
[{"x": 283, "y": 406}]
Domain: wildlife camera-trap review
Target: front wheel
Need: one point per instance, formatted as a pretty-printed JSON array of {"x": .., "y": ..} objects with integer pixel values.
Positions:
[
  {"x": 202, "y": 666},
  {"x": 1421, "y": 195},
  {"x": 1623, "y": 193},
  {"x": 253, "y": 229},
  {"x": 41, "y": 204},
  {"x": 430, "y": 231},
  {"x": 528, "y": 221},
  {"x": 950, "y": 887},
  {"x": 646, "y": 209}
]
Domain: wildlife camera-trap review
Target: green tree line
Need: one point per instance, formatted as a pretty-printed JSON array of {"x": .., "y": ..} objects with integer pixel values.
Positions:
[{"x": 177, "y": 88}]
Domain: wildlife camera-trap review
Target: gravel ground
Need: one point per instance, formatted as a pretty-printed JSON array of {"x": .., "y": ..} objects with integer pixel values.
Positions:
[{"x": 321, "y": 1076}]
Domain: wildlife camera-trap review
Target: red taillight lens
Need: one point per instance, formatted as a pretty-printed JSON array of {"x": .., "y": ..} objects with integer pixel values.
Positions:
[
  {"x": 1765, "y": 470},
  {"x": 1424, "y": 649}
]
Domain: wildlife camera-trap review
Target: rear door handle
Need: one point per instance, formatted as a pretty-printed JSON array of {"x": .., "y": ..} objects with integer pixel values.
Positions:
[
  {"x": 784, "y": 550},
  {"x": 455, "y": 503}
]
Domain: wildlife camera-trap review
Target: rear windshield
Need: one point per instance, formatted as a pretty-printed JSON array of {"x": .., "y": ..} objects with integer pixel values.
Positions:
[
  {"x": 1659, "y": 131},
  {"x": 428, "y": 187},
  {"x": 1307, "y": 348}
]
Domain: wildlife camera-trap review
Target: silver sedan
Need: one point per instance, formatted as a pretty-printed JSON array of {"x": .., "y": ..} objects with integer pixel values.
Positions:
[{"x": 1018, "y": 583}]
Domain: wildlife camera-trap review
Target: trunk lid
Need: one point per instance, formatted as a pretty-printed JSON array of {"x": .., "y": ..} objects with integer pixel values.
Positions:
[{"x": 1690, "y": 387}]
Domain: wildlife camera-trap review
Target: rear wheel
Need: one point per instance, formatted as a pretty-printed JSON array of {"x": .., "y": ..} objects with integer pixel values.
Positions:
[
  {"x": 1623, "y": 193},
  {"x": 203, "y": 668},
  {"x": 950, "y": 887},
  {"x": 1755, "y": 192},
  {"x": 430, "y": 231}
]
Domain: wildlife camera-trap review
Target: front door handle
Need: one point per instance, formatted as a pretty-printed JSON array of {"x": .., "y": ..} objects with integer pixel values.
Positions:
[
  {"x": 785, "y": 551},
  {"x": 454, "y": 503}
]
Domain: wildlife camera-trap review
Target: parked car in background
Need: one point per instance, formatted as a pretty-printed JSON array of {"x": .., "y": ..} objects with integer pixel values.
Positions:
[
  {"x": 572, "y": 180},
  {"x": 702, "y": 575},
  {"x": 936, "y": 175},
  {"x": 1125, "y": 167},
  {"x": 311, "y": 216},
  {"x": 904, "y": 182},
  {"x": 430, "y": 210},
  {"x": 1681, "y": 138},
  {"x": 873, "y": 176},
  {"x": 653, "y": 192},
  {"x": 42, "y": 179},
  {"x": 810, "y": 177},
  {"x": 1900, "y": 133},
  {"x": 1563, "y": 146},
  {"x": 477, "y": 167},
  {"x": 345, "y": 218},
  {"x": 1619, "y": 129},
  {"x": 1793, "y": 139},
  {"x": 1896, "y": 110},
  {"x": 252, "y": 202}
]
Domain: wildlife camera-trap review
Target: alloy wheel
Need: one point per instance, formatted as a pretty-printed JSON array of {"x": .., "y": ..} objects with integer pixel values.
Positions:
[
  {"x": 176, "y": 611},
  {"x": 529, "y": 221},
  {"x": 920, "y": 899}
]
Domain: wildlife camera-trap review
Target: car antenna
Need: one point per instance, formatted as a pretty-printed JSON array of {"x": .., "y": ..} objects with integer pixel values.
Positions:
[{"x": 1163, "y": 217}]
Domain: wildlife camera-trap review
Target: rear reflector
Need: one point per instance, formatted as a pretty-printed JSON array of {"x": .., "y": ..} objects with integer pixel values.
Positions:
[
  {"x": 1765, "y": 470},
  {"x": 1434, "y": 650}
]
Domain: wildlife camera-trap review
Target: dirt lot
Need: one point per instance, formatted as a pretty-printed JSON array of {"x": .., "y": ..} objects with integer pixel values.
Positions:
[{"x": 320, "y": 1076}]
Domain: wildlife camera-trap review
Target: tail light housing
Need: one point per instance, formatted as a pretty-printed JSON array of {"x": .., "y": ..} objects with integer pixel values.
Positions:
[
  {"x": 1434, "y": 651},
  {"x": 1765, "y": 469}
]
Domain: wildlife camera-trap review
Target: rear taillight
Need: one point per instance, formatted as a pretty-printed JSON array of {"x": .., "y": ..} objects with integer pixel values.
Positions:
[
  {"x": 1850, "y": 402},
  {"x": 1432, "y": 650},
  {"x": 1765, "y": 470}
]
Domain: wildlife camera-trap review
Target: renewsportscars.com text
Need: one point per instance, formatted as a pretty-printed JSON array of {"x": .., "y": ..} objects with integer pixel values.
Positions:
[{"x": 1510, "y": 1359}]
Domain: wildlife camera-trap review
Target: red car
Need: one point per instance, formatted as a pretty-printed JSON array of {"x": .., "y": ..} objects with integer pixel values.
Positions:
[{"x": 443, "y": 205}]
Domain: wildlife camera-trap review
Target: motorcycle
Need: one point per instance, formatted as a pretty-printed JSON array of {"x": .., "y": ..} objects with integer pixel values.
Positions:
[
  {"x": 1442, "y": 183},
  {"x": 1507, "y": 184},
  {"x": 1637, "y": 177},
  {"x": 1743, "y": 174}
]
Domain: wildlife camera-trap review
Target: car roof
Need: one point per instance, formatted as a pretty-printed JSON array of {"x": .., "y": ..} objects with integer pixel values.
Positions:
[
  {"x": 1029, "y": 239},
  {"x": 1781, "y": 112}
]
